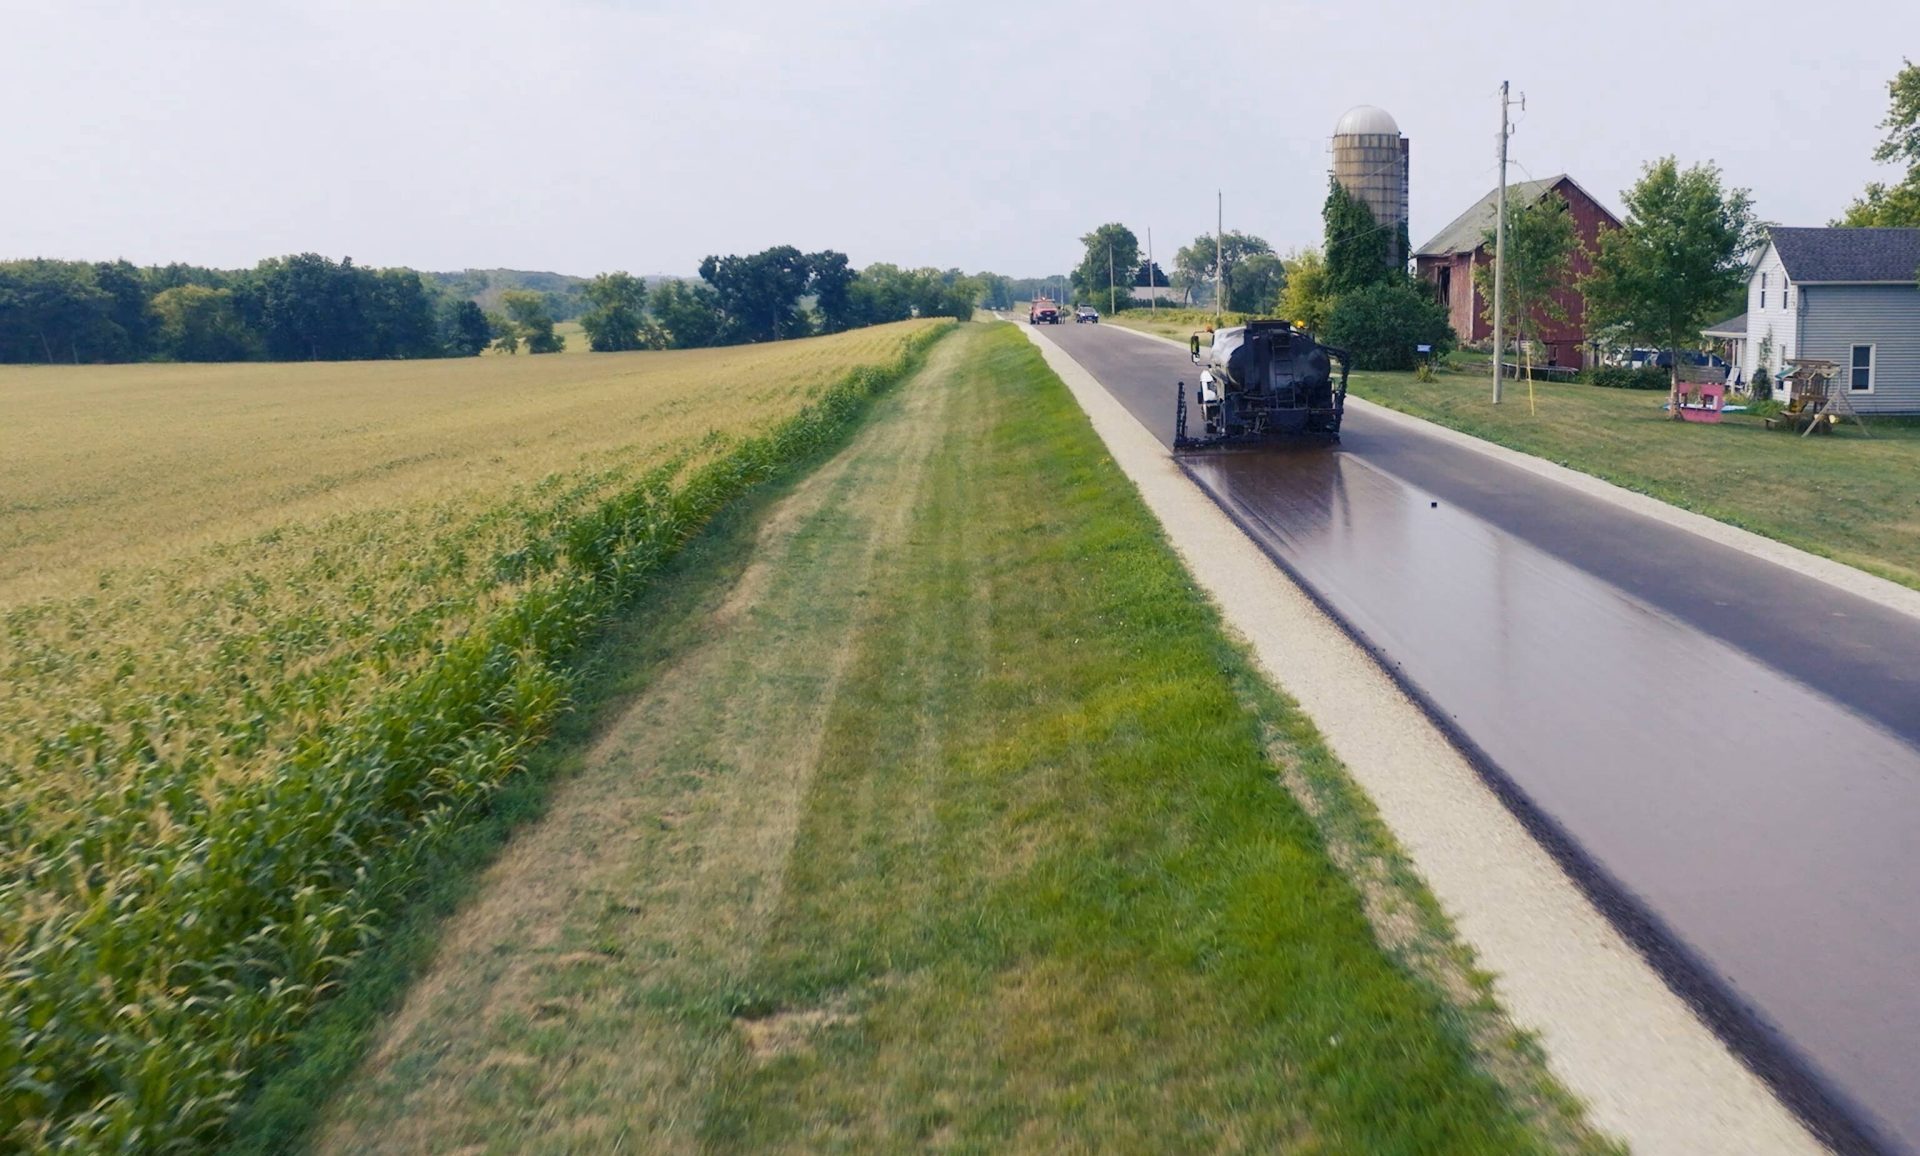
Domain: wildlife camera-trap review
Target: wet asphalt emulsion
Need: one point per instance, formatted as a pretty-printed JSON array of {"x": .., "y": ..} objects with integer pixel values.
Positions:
[{"x": 1668, "y": 710}]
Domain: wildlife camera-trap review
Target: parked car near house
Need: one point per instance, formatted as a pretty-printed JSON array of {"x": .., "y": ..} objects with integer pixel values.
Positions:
[{"x": 1663, "y": 359}]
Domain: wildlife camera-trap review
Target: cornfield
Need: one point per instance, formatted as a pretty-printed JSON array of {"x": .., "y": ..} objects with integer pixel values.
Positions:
[{"x": 247, "y": 685}]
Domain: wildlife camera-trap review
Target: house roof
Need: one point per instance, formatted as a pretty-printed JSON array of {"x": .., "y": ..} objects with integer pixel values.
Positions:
[
  {"x": 1731, "y": 327},
  {"x": 1465, "y": 233},
  {"x": 1860, "y": 256}
]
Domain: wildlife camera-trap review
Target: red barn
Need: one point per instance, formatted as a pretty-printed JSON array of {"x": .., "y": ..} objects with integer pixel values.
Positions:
[{"x": 1448, "y": 260}]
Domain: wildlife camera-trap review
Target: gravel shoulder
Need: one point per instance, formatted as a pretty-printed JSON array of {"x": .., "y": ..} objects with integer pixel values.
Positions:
[{"x": 1649, "y": 1070}]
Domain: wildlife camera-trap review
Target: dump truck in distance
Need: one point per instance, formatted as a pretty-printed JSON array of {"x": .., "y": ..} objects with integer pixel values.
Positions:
[
  {"x": 1043, "y": 312},
  {"x": 1259, "y": 382}
]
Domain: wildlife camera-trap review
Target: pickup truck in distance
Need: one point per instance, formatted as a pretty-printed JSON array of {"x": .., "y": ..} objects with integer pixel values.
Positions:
[{"x": 1043, "y": 312}]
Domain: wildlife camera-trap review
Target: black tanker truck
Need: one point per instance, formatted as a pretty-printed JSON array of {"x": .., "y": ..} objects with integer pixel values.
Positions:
[{"x": 1260, "y": 382}]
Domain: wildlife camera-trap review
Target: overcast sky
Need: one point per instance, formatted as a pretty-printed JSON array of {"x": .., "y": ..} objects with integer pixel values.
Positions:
[{"x": 586, "y": 135}]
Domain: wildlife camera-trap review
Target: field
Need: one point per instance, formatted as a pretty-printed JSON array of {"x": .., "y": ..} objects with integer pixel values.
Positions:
[
  {"x": 124, "y": 467},
  {"x": 1851, "y": 498},
  {"x": 575, "y": 335},
  {"x": 933, "y": 810},
  {"x": 267, "y": 633}
]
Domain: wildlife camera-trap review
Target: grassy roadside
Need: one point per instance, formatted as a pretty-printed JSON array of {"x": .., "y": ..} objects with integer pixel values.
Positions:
[
  {"x": 1851, "y": 498},
  {"x": 952, "y": 820},
  {"x": 1178, "y": 324}
]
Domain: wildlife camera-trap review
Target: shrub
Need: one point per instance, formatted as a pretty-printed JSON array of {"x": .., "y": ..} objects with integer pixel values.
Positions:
[
  {"x": 1382, "y": 325},
  {"x": 1626, "y": 377}
]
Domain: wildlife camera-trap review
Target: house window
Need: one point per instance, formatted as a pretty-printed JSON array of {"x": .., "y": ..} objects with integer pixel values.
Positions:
[
  {"x": 1786, "y": 293},
  {"x": 1860, "y": 369},
  {"x": 1763, "y": 290}
]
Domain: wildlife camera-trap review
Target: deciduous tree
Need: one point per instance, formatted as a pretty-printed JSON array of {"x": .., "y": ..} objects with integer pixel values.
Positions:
[
  {"x": 54, "y": 311},
  {"x": 506, "y": 335},
  {"x": 1305, "y": 300},
  {"x": 1257, "y": 282},
  {"x": 467, "y": 329},
  {"x": 689, "y": 312},
  {"x": 831, "y": 280},
  {"x": 1541, "y": 238},
  {"x": 759, "y": 295},
  {"x": 1681, "y": 249},
  {"x": 1111, "y": 243},
  {"x": 1193, "y": 266},
  {"x": 1897, "y": 204},
  {"x": 200, "y": 324},
  {"x": 1383, "y": 324},
  {"x": 532, "y": 322},
  {"x": 616, "y": 312},
  {"x": 996, "y": 291}
]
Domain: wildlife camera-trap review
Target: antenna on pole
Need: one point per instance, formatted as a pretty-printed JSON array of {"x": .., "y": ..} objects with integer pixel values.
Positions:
[{"x": 1500, "y": 252}]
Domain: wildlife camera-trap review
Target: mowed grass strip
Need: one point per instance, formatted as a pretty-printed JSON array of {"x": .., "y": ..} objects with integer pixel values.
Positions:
[
  {"x": 959, "y": 829},
  {"x": 1852, "y": 498}
]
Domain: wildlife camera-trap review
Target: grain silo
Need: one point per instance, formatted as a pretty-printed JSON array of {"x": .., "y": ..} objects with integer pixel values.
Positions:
[{"x": 1370, "y": 162}]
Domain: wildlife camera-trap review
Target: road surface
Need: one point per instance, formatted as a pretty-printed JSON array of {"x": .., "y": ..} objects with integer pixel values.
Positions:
[{"x": 1724, "y": 751}]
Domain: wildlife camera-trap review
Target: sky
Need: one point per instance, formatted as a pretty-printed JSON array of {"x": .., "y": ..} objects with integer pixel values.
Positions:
[{"x": 581, "y": 136}]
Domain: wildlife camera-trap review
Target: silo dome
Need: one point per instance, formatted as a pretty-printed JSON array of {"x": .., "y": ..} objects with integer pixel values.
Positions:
[{"x": 1366, "y": 120}]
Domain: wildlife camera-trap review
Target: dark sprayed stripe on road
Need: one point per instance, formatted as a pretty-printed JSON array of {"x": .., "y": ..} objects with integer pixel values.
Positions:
[{"x": 1679, "y": 752}]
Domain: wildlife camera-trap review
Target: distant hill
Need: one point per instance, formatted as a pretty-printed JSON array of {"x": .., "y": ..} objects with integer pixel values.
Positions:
[{"x": 563, "y": 290}]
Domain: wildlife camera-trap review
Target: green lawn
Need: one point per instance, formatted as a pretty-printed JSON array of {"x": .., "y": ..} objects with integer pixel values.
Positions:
[
  {"x": 947, "y": 818},
  {"x": 1850, "y": 497}
]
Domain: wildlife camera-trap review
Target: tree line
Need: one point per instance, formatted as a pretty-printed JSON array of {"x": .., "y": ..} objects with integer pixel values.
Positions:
[
  {"x": 308, "y": 307},
  {"x": 772, "y": 295},
  {"x": 1356, "y": 293},
  {"x": 295, "y": 308}
]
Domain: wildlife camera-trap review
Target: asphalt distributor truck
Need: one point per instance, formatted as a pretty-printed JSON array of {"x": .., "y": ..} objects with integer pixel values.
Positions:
[{"x": 1263, "y": 381}]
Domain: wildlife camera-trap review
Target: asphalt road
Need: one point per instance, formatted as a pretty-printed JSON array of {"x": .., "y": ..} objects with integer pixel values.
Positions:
[{"x": 1725, "y": 752}]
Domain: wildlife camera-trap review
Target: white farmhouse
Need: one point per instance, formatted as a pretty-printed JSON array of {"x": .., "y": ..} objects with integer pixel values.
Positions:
[{"x": 1849, "y": 296}]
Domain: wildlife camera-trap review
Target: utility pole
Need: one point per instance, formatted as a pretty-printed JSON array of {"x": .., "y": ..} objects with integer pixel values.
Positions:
[
  {"x": 1153, "y": 290},
  {"x": 1219, "y": 221},
  {"x": 1500, "y": 251},
  {"x": 1111, "y": 299}
]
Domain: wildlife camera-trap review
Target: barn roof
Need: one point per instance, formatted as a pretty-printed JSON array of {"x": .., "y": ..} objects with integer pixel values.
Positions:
[
  {"x": 1465, "y": 233},
  {"x": 1860, "y": 256}
]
